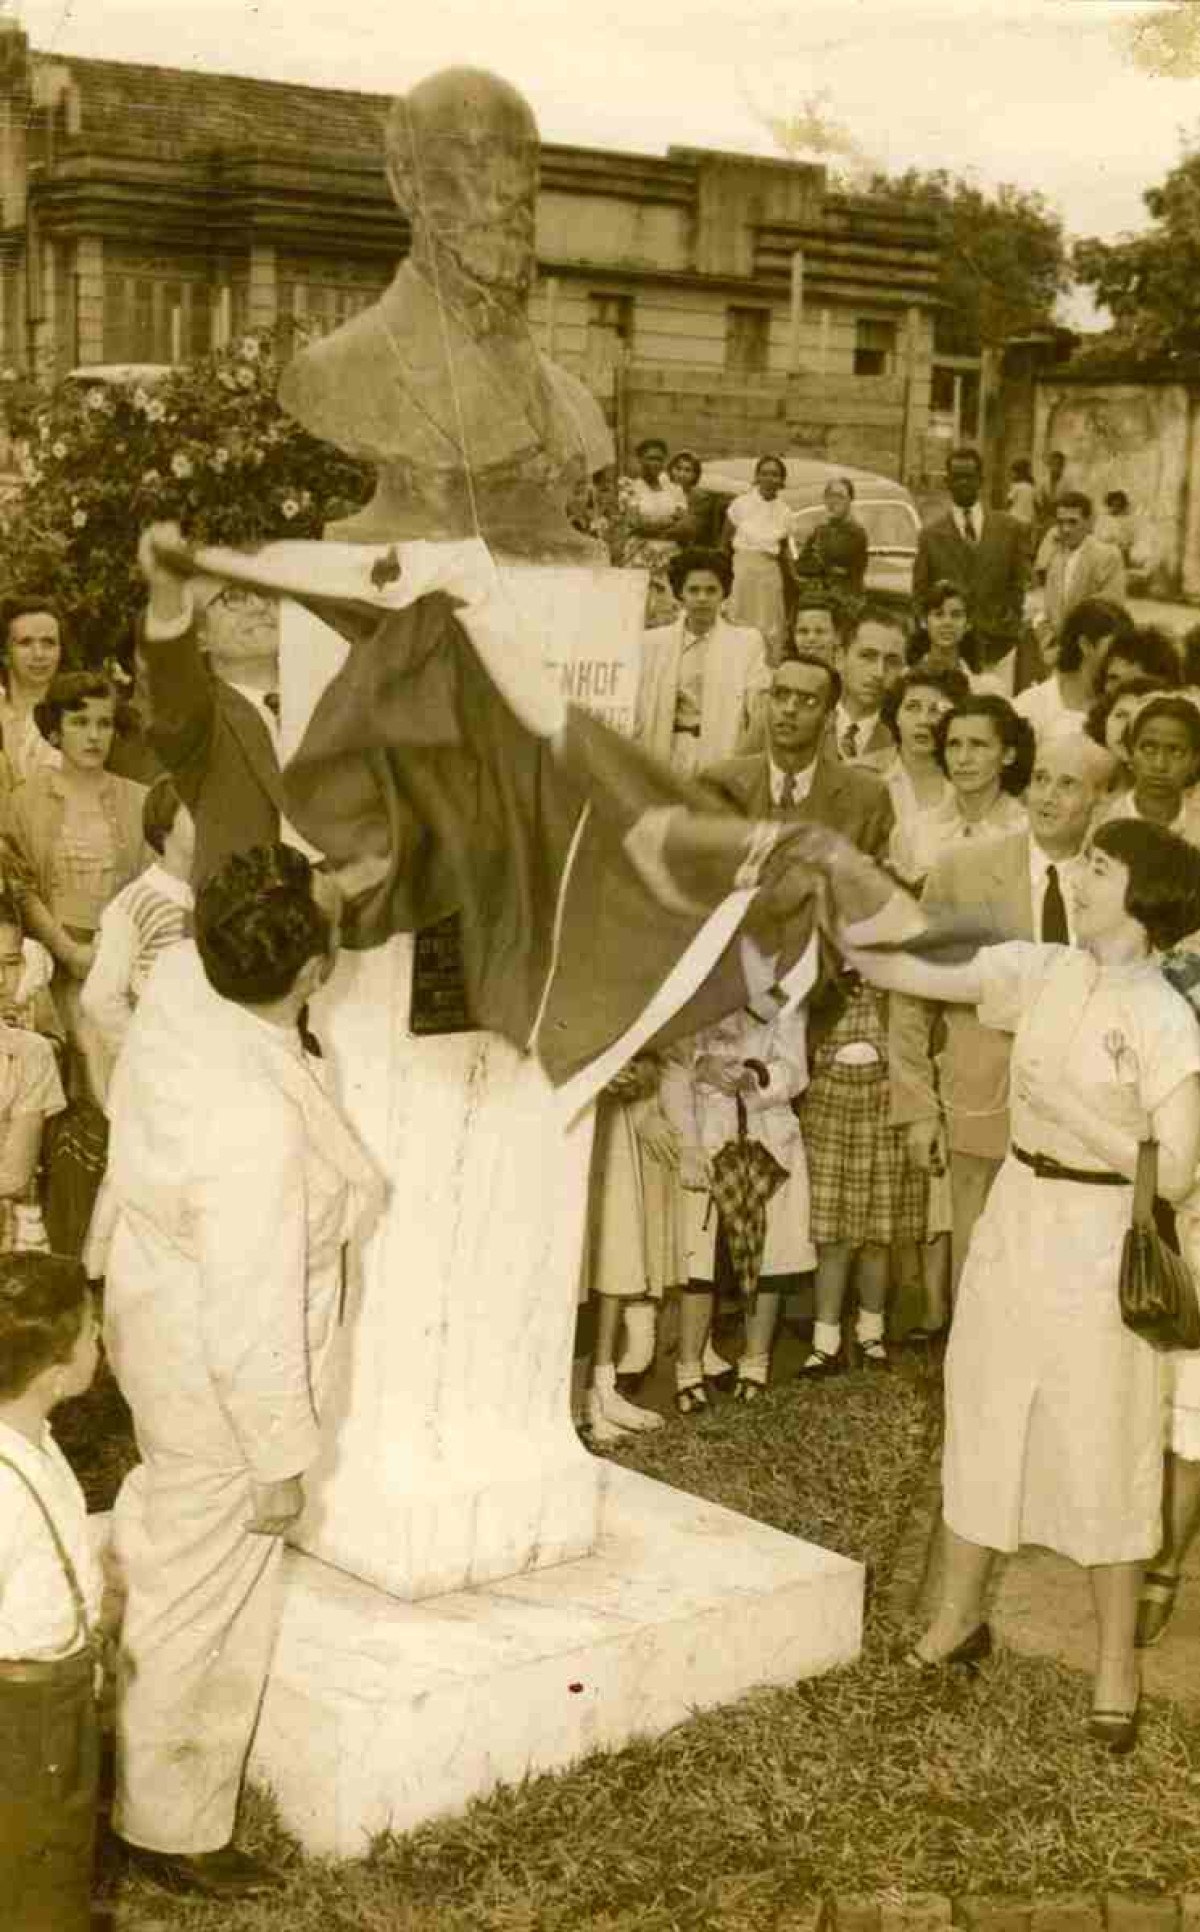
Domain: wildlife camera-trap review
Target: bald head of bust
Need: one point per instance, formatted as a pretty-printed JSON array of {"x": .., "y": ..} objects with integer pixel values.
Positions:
[{"x": 462, "y": 163}]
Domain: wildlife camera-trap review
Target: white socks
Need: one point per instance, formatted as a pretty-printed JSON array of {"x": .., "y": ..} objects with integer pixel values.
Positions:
[
  {"x": 868, "y": 1327},
  {"x": 827, "y": 1337},
  {"x": 711, "y": 1363},
  {"x": 640, "y": 1324},
  {"x": 754, "y": 1368},
  {"x": 614, "y": 1408}
]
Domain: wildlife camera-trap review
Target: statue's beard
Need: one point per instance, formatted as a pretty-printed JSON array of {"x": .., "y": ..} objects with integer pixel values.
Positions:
[{"x": 494, "y": 261}]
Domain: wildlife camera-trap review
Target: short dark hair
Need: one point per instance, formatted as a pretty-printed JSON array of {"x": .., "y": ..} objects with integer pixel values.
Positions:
[
  {"x": 1090, "y": 621},
  {"x": 1022, "y": 469},
  {"x": 160, "y": 808},
  {"x": 1015, "y": 733},
  {"x": 1117, "y": 501},
  {"x": 883, "y": 614},
  {"x": 953, "y": 683},
  {"x": 684, "y": 562},
  {"x": 31, "y": 605},
  {"x": 1169, "y": 705},
  {"x": 809, "y": 597},
  {"x": 1153, "y": 650},
  {"x": 1096, "y": 722},
  {"x": 793, "y": 656},
  {"x": 1163, "y": 893},
  {"x": 43, "y": 1301},
  {"x": 70, "y": 691},
  {"x": 650, "y": 442},
  {"x": 840, "y": 482},
  {"x": 771, "y": 456},
  {"x": 965, "y": 453},
  {"x": 257, "y": 924},
  {"x": 1074, "y": 500},
  {"x": 940, "y": 593}
]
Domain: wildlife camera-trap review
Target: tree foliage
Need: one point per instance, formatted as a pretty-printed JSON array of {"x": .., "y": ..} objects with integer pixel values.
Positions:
[
  {"x": 1003, "y": 255},
  {"x": 1150, "y": 283},
  {"x": 205, "y": 445}
]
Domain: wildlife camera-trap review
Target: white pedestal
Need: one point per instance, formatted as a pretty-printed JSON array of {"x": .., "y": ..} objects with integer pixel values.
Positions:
[{"x": 382, "y": 1714}]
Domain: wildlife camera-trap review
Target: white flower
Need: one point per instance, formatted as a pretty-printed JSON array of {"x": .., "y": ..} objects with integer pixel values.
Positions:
[
  {"x": 290, "y": 507},
  {"x": 181, "y": 465},
  {"x": 245, "y": 378},
  {"x": 156, "y": 411},
  {"x": 248, "y": 348},
  {"x": 79, "y": 520},
  {"x": 220, "y": 459},
  {"x": 59, "y": 450},
  {"x": 98, "y": 402},
  {"x": 140, "y": 399},
  {"x": 151, "y": 476}
]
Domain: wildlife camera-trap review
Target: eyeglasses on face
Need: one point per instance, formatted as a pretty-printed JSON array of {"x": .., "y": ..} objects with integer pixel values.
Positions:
[{"x": 803, "y": 700}]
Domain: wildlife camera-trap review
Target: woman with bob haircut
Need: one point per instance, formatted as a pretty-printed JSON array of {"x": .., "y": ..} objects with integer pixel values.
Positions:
[
  {"x": 1053, "y": 1405},
  {"x": 703, "y": 679}
]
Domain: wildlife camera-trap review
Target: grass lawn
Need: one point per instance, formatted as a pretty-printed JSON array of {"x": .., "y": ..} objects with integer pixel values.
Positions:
[{"x": 871, "y": 1779}]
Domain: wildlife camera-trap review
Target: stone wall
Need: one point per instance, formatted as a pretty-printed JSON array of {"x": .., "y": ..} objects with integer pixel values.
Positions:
[{"x": 1136, "y": 437}]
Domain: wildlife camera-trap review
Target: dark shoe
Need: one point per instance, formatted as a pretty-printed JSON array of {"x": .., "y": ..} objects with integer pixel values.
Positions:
[
  {"x": 724, "y": 1383},
  {"x": 691, "y": 1400},
  {"x": 818, "y": 1363},
  {"x": 1154, "y": 1611},
  {"x": 1117, "y": 1731},
  {"x": 873, "y": 1355},
  {"x": 926, "y": 1337},
  {"x": 975, "y": 1649},
  {"x": 747, "y": 1389},
  {"x": 225, "y": 1874}
]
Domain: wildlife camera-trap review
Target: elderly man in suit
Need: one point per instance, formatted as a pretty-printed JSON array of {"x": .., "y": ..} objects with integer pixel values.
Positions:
[
  {"x": 798, "y": 775},
  {"x": 1078, "y": 564},
  {"x": 984, "y": 552},
  {"x": 955, "y": 1098},
  {"x": 870, "y": 658},
  {"x": 213, "y": 686}
]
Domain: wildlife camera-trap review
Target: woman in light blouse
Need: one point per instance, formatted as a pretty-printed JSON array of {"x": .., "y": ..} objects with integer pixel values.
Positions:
[{"x": 756, "y": 525}]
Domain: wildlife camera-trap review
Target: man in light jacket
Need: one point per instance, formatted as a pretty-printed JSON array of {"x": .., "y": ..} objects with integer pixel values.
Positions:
[{"x": 233, "y": 1187}]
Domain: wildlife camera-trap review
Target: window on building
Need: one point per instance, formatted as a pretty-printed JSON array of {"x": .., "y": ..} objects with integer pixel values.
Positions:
[
  {"x": 609, "y": 339},
  {"x": 324, "y": 306},
  {"x": 874, "y": 346},
  {"x": 148, "y": 318},
  {"x": 747, "y": 340}
]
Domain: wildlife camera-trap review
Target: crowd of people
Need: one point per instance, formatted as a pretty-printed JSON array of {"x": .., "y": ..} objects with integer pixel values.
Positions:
[
  {"x": 1016, "y": 749},
  {"x": 962, "y": 1137}
]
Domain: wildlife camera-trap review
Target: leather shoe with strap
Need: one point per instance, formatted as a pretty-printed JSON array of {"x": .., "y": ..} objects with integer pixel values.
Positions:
[
  {"x": 226, "y": 1874},
  {"x": 1155, "y": 1605}
]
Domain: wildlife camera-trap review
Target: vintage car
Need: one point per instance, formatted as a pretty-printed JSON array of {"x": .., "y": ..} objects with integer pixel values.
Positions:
[{"x": 884, "y": 507}]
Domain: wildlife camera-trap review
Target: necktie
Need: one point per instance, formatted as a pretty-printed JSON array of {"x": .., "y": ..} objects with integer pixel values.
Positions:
[
  {"x": 271, "y": 700},
  {"x": 850, "y": 741},
  {"x": 969, "y": 530},
  {"x": 1054, "y": 911},
  {"x": 787, "y": 791}
]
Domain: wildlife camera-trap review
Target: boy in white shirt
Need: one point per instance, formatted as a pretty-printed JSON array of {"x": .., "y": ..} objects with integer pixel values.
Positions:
[
  {"x": 50, "y": 1594},
  {"x": 147, "y": 916}
]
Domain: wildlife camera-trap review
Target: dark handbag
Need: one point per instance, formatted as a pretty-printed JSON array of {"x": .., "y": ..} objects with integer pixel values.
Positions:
[{"x": 1158, "y": 1295}]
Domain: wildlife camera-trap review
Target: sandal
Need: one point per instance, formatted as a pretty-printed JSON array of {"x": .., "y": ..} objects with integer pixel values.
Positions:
[
  {"x": 873, "y": 1355},
  {"x": 691, "y": 1399},
  {"x": 1154, "y": 1611},
  {"x": 818, "y": 1363},
  {"x": 747, "y": 1389}
]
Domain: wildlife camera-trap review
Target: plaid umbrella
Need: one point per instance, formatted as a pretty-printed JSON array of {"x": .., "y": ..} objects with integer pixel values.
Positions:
[{"x": 745, "y": 1175}]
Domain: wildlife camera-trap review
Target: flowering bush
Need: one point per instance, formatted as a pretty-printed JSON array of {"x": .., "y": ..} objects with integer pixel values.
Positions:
[{"x": 205, "y": 445}]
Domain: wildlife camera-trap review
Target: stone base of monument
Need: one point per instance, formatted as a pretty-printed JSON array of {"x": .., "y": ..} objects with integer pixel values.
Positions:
[{"x": 381, "y": 1714}]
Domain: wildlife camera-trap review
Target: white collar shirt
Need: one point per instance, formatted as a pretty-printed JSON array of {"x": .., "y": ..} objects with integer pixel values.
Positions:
[
  {"x": 864, "y": 729},
  {"x": 801, "y": 782}
]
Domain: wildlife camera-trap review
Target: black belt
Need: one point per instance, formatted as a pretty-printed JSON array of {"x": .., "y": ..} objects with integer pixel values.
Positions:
[{"x": 1048, "y": 1169}]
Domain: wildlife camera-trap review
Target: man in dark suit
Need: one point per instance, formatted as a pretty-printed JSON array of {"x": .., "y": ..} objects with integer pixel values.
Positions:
[
  {"x": 799, "y": 775},
  {"x": 984, "y": 552},
  {"x": 214, "y": 705}
]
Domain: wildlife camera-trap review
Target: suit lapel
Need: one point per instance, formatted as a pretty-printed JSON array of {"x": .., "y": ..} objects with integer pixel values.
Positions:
[{"x": 255, "y": 741}]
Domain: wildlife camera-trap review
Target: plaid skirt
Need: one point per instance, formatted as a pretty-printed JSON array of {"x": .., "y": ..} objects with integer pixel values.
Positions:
[{"x": 862, "y": 1184}]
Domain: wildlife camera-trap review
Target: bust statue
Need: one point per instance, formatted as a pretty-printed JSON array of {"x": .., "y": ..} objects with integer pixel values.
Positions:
[{"x": 440, "y": 384}]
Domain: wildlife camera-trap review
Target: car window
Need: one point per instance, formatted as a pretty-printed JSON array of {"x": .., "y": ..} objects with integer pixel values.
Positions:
[{"x": 889, "y": 526}]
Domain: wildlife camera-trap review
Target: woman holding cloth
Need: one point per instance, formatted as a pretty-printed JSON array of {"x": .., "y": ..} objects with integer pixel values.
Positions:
[{"x": 1053, "y": 1406}]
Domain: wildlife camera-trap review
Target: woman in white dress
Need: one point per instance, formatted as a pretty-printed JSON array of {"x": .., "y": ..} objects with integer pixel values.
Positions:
[
  {"x": 703, "y": 680},
  {"x": 756, "y": 524},
  {"x": 986, "y": 752},
  {"x": 1053, "y": 1406}
]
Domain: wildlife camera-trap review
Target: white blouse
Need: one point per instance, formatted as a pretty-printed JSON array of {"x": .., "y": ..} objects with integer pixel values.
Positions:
[{"x": 758, "y": 524}]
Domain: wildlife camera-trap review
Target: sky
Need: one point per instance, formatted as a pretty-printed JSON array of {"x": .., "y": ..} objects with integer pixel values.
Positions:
[{"x": 1054, "y": 95}]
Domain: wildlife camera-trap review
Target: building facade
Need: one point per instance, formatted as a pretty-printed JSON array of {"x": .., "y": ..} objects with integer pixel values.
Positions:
[{"x": 727, "y": 302}]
